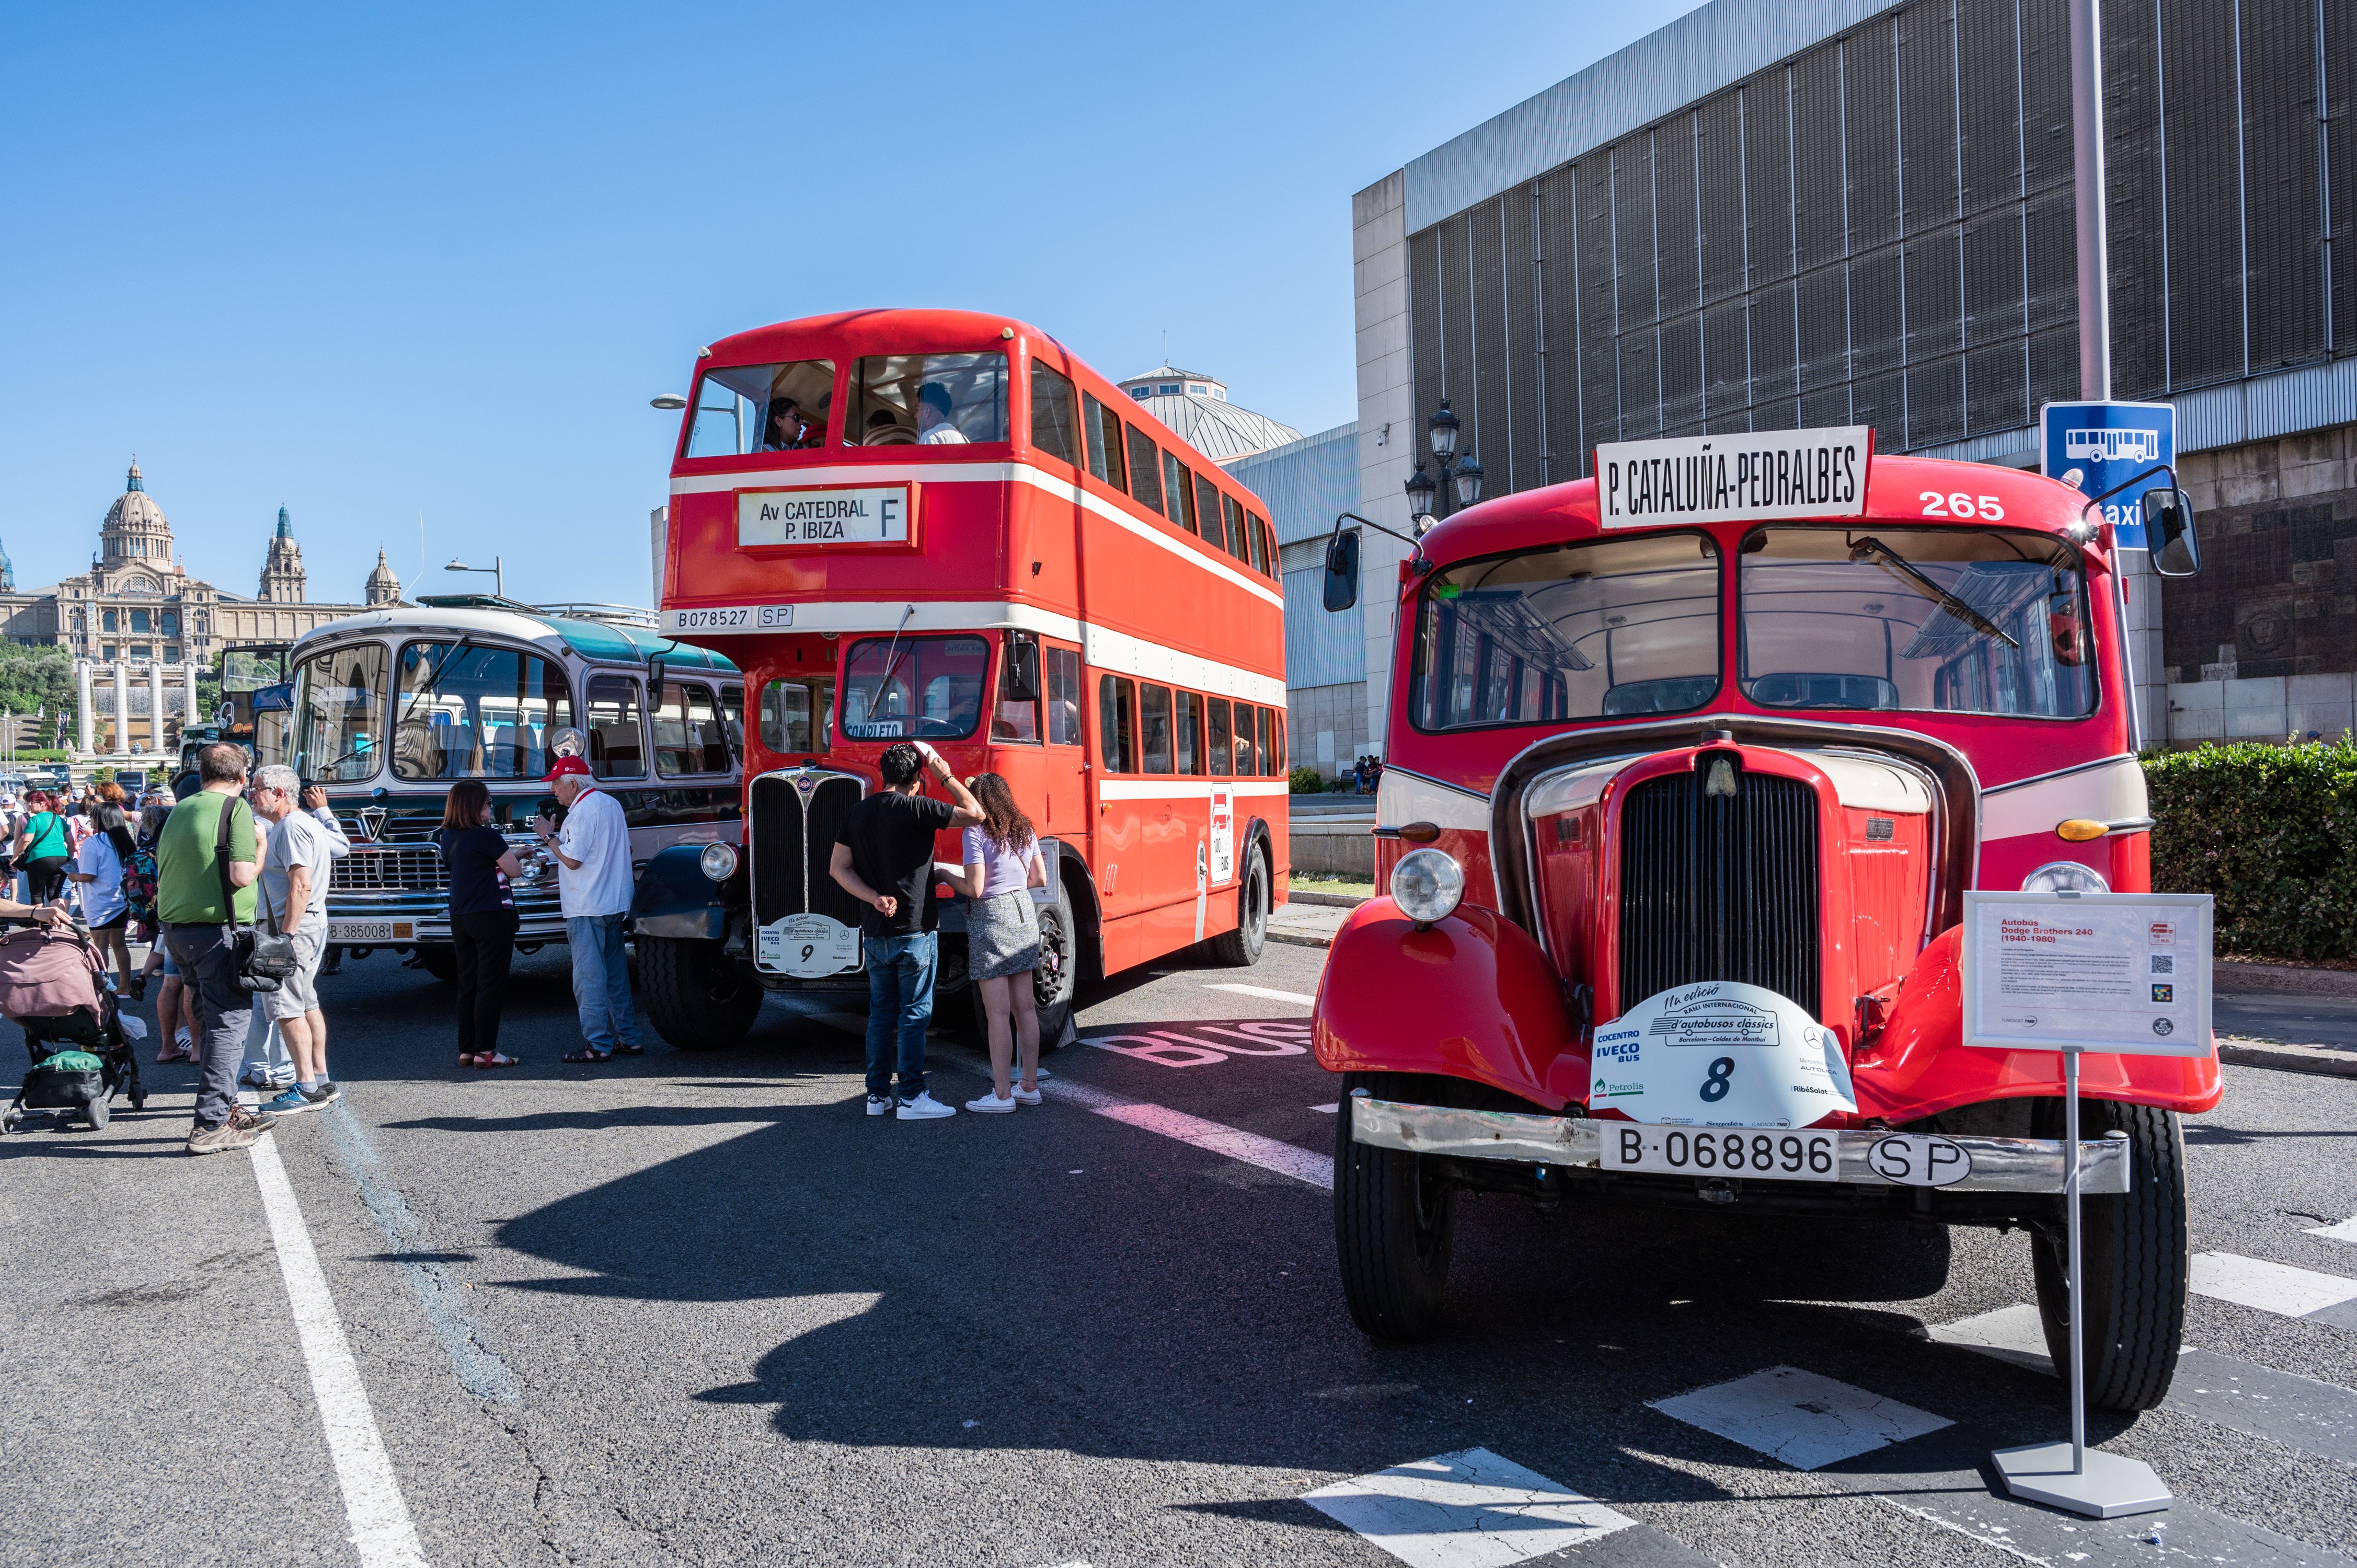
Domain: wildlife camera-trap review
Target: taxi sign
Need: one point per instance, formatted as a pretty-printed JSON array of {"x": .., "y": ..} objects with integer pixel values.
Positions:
[
  {"x": 2107, "y": 445},
  {"x": 1764, "y": 475}
]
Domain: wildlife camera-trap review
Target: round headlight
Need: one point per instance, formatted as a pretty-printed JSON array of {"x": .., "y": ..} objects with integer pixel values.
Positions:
[
  {"x": 1427, "y": 884},
  {"x": 2065, "y": 876},
  {"x": 719, "y": 861}
]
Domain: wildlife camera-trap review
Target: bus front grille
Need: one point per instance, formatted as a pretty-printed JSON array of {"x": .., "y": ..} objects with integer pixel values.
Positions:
[
  {"x": 1719, "y": 887},
  {"x": 794, "y": 818},
  {"x": 389, "y": 868}
]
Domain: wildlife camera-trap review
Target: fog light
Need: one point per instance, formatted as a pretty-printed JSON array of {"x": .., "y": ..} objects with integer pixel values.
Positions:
[
  {"x": 1427, "y": 884},
  {"x": 719, "y": 861},
  {"x": 2065, "y": 876}
]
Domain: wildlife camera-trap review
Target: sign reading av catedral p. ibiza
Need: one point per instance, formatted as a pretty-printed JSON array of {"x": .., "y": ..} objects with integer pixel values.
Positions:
[
  {"x": 874, "y": 514},
  {"x": 1761, "y": 477}
]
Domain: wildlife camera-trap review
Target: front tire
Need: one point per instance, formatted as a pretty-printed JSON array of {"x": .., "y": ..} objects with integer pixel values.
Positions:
[
  {"x": 2136, "y": 1252},
  {"x": 1395, "y": 1227},
  {"x": 698, "y": 998},
  {"x": 1243, "y": 946}
]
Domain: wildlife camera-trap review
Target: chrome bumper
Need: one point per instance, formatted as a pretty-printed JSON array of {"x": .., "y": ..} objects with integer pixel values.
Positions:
[{"x": 1999, "y": 1164}]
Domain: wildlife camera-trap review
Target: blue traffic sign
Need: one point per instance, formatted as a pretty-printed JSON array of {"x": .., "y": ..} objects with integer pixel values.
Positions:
[{"x": 2096, "y": 445}]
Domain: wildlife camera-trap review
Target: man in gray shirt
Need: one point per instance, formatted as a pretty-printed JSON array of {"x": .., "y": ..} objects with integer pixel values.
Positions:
[{"x": 294, "y": 870}]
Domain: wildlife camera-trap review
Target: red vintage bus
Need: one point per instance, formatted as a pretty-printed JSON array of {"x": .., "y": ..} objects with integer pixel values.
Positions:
[
  {"x": 938, "y": 525},
  {"x": 1719, "y": 744}
]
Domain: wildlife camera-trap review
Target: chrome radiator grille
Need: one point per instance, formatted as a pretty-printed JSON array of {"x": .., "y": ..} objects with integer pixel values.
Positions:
[
  {"x": 793, "y": 821},
  {"x": 389, "y": 868},
  {"x": 1719, "y": 887}
]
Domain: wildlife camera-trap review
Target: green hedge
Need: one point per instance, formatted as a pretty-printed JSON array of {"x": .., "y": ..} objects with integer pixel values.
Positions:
[{"x": 2269, "y": 831}]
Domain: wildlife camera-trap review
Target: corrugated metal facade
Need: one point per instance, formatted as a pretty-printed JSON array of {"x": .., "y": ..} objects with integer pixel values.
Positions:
[
  {"x": 1306, "y": 483},
  {"x": 1879, "y": 230}
]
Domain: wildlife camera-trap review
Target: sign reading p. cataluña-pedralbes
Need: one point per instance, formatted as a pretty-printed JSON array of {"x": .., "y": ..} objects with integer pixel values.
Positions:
[{"x": 1761, "y": 476}]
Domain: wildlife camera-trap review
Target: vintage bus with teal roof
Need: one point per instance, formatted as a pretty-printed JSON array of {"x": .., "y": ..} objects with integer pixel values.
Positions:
[{"x": 388, "y": 709}]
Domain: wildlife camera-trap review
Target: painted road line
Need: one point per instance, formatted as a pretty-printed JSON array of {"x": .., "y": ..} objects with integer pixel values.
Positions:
[
  {"x": 382, "y": 1531},
  {"x": 1467, "y": 1509},
  {"x": 1269, "y": 1153},
  {"x": 2271, "y": 1287},
  {"x": 1333, "y": 1110},
  {"x": 1801, "y": 1418},
  {"x": 2282, "y": 1407},
  {"x": 2012, "y": 1334},
  {"x": 1262, "y": 991},
  {"x": 2344, "y": 1232}
]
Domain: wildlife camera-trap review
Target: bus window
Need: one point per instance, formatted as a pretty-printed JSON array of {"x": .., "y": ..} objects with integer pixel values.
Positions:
[
  {"x": 928, "y": 400},
  {"x": 1116, "y": 733},
  {"x": 786, "y": 710},
  {"x": 475, "y": 711},
  {"x": 763, "y": 408},
  {"x": 1230, "y": 518},
  {"x": 689, "y": 737},
  {"x": 1177, "y": 493},
  {"x": 1014, "y": 719},
  {"x": 732, "y": 714},
  {"x": 1247, "y": 767},
  {"x": 1154, "y": 726},
  {"x": 1257, "y": 532},
  {"x": 1062, "y": 671},
  {"x": 1145, "y": 468},
  {"x": 616, "y": 749},
  {"x": 1104, "y": 444},
  {"x": 897, "y": 688},
  {"x": 1189, "y": 734},
  {"x": 1264, "y": 748},
  {"x": 1051, "y": 414},
  {"x": 1277, "y": 758},
  {"x": 1222, "y": 758},
  {"x": 338, "y": 718},
  {"x": 1210, "y": 503}
]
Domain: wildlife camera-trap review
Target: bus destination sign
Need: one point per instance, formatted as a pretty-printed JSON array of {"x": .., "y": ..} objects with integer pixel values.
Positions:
[
  {"x": 874, "y": 514},
  {"x": 1761, "y": 476}
]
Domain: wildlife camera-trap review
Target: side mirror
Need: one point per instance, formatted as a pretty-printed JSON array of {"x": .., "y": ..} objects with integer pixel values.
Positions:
[
  {"x": 655, "y": 682},
  {"x": 2169, "y": 533},
  {"x": 1022, "y": 681},
  {"x": 1342, "y": 570}
]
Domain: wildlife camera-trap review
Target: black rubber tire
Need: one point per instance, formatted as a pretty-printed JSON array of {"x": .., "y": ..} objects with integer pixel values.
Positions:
[
  {"x": 1243, "y": 946},
  {"x": 698, "y": 998},
  {"x": 1394, "y": 1228},
  {"x": 138, "y": 1099},
  {"x": 442, "y": 963},
  {"x": 96, "y": 1112},
  {"x": 1058, "y": 979},
  {"x": 2136, "y": 1252}
]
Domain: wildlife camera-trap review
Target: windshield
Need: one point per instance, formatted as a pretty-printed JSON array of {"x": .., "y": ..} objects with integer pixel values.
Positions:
[
  {"x": 475, "y": 711},
  {"x": 928, "y": 687},
  {"x": 928, "y": 400},
  {"x": 1575, "y": 631},
  {"x": 1936, "y": 620},
  {"x": 763, "y": 408},
  {"x": 339, "y": 715}
]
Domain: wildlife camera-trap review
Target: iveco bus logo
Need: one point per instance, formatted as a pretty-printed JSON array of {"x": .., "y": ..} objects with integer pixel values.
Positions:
[{"x": 2112, "y": 446}]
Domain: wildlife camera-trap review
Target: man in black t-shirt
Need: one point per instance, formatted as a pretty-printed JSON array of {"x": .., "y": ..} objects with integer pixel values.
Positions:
[{"x": 884, "y": 858}]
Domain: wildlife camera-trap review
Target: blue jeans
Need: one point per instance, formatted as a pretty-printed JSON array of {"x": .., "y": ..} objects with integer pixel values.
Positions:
[
  {"x": 899, "y": 1004},
  {"x": 601, "y": 981}
]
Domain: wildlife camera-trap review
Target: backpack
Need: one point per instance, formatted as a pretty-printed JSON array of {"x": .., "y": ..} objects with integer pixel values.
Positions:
[{"x": 139, "y": 883}]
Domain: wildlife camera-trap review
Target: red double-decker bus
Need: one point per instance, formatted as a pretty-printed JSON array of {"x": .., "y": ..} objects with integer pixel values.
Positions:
[{"x": 939, "y": 526}]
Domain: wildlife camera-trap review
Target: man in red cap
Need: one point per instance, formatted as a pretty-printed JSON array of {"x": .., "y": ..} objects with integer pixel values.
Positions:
[{"x": 594, "y": 888}]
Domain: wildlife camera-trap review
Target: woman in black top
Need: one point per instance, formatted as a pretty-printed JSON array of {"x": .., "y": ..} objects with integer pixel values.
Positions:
[{"x": 482, "y": 917}]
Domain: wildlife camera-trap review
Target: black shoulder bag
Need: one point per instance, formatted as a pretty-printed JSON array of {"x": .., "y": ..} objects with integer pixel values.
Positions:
[{"x": 264, "y": 958}]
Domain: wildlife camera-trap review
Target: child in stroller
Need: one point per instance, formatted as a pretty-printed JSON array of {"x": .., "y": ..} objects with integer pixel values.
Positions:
[{"x": 53, "y": 983}]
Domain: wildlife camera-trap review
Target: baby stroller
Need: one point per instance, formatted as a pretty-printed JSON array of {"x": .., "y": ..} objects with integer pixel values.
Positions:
[{"x": 53, "y": 983}]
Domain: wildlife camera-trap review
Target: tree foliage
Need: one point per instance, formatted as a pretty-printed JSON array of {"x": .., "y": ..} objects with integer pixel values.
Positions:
[
  {"x": 37, "y": 678},
  {"x": 2270, "y": 832}
]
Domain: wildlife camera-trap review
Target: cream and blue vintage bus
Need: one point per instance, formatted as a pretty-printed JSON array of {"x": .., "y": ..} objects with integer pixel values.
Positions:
[{"x": 385, "y": 710}]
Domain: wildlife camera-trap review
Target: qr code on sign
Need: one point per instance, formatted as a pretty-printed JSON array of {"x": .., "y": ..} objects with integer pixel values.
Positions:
[{"x": 2162, "y": 963}]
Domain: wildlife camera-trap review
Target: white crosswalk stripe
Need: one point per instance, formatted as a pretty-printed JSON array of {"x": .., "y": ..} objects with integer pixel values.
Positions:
[
  {"x": 2271, "y": 1287},
  {"x": 1467, "y": 1509},
  {"x": 2015, "y": 1334},
  {"x": 1804, "y": 1419},
  {"x": 2344, "y": 1232},
  {"x": 1263, "y": 992}
]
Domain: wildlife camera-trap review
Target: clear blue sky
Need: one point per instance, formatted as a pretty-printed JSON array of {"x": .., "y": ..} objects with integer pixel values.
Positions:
[{"x": 376, "y": 262}]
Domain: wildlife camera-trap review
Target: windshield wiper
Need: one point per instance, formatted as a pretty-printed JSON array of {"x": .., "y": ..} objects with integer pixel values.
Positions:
[
  {"x": 891, "y": 662},
  {"x": 1890, "y": 560},
  {"x": 433, "y": 681}
]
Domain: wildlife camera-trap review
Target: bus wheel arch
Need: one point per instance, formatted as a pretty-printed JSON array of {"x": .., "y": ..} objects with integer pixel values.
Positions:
[
  {"x": 698, "y": 998},
  {"x": 1088, "y": 923},
  {"x": 1256, "y": 897}
]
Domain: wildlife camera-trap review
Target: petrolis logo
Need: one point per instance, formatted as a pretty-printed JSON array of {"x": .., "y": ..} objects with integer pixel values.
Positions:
[
  {"x": 2112, "y": 446},
  {"x": 1608, "y": 1090}
]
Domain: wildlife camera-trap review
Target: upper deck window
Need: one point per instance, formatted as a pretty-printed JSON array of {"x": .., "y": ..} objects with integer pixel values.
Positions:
[
  {"x": 1575, "y": 631},
  {"x": 1105, "y": 457},
  {"x": 913, "y": 687},
  {"x": 1932, "y": 619},
  {"x": 471, "y": 710},
  {"x": 1052, "y": 418},
  {"x": 763, "y": 408},
  {"x": 928, "y": 400}
]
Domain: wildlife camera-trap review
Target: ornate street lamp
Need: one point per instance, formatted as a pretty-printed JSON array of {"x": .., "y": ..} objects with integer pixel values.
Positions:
[{"x": 1422, "y": 492}]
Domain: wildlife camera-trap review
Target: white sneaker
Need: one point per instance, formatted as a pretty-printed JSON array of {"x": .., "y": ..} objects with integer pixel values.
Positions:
[
  {"x": 991, "y": 1105},
  {"x": 1023, "y": 1096},
  {"x": 878, "y": 1104},
  {"x": 924, "y": 1108}
]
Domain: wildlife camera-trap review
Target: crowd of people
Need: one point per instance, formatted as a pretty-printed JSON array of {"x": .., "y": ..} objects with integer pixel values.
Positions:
[{"x": 228, "y": 889}]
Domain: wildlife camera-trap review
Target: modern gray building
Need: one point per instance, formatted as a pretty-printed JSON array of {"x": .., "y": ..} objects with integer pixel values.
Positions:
[
  {"x": 1306, "y": 483},
  {"x": 1775, "y": 213}
]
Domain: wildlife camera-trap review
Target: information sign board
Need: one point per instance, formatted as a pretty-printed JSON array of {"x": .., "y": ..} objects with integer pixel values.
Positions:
[
  {"x": 1759, "y": 477},
  {"x": 2124, "y": 973},
  {"x": 2109, "y": 444}
]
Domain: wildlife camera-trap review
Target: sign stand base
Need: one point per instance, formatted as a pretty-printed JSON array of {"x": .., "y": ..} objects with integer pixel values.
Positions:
[{"x": 2109, "y": 1485}]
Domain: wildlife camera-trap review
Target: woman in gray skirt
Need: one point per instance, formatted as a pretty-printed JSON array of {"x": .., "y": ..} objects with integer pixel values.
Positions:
[{"x": 1003, "y": 864}]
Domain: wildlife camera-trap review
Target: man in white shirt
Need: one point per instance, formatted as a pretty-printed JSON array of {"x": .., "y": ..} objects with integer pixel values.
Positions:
[
  {"x": 933, "y": 426},
  {"x": 594, "y": 886},
  {"x": 295, "y": 865}
]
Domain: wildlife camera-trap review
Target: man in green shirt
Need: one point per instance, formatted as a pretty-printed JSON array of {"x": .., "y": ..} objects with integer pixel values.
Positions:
[{"x": 200, "y": 932}]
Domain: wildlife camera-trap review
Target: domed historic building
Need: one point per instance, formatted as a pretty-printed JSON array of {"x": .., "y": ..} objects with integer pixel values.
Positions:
[{"x": 140, "y": 628}]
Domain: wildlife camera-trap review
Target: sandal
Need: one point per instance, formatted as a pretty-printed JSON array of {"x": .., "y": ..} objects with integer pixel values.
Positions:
[
  {"x": 466, "y": 1059},
  {"x": 586, "y": 1054},
  {"x": 493, "y": 1058},
  {"x": 629, "y": 1051}
]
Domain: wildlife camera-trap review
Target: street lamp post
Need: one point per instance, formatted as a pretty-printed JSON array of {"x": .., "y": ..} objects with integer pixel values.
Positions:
[
  {"x": 1465, "y": 473},
  {"x": 497, "y": 569}
]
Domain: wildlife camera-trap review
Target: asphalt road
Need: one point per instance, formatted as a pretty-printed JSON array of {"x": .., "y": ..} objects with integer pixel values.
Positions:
[{"x": 699, "y": 1309}]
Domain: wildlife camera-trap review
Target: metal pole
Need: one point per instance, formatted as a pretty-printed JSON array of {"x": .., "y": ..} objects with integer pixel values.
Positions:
[
  {"x": 2087, "y": 169},
  {"x": 2078, "y": 1280}
]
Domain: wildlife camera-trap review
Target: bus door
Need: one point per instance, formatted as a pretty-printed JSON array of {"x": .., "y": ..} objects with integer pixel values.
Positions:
[
  {"x": 1064, "y": 803},
  {"x": 1119, "y": 857}
]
